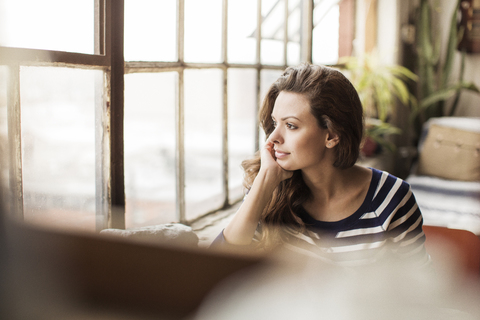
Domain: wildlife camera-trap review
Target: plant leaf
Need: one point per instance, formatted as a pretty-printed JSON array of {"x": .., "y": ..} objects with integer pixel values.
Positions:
[
  {"x": 402, "y": 72},
  {"x": 447, "y": 93},
  {"x": 379, "y": 130},
  {"x": 451, "y": 47}
]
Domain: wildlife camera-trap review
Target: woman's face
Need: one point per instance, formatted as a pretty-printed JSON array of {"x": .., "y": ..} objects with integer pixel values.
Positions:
[{"x": 299, "y": 142}]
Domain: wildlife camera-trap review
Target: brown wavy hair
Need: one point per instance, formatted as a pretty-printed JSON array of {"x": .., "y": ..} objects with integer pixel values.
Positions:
[{"x": 335, "y": 104}]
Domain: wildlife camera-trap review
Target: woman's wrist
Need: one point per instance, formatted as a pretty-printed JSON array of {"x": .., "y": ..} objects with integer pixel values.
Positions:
[{"x": 268, "y": 179}]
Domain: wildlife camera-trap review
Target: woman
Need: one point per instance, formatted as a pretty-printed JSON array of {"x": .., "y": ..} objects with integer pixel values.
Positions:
[{"x": 305, "y": 191}]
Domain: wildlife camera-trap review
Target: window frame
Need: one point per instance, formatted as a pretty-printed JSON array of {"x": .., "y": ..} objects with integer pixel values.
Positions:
[
  {"x": 109, "y": 111},
  {"x": 108, "y": 57}
]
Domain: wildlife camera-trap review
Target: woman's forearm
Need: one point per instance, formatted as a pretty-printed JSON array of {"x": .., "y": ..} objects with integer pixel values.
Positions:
[{"x": 241, "y": 228}]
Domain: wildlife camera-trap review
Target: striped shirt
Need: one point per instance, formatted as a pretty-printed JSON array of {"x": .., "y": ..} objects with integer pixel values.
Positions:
[{"x": 388, "y": 224}]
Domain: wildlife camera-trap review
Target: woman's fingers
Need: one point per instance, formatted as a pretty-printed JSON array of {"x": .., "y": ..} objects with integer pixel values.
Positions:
[{"x": 268, "y": 161}]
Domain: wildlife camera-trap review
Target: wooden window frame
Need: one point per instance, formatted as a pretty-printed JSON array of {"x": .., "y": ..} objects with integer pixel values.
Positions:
[
  {"x": 108, "y": 57},
  {"x": 109, "y": 111}
]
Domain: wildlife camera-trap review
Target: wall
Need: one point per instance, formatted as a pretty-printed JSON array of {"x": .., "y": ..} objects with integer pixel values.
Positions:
[
  {"x": 377, "y": 27},
  {"x": 393, "y": 14},
  {"x": 388, "y": 39},
  {"x": 469, "y": 104}
]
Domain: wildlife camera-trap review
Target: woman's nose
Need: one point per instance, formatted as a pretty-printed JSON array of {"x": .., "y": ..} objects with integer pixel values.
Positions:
[{"x": 276, "y": 136}]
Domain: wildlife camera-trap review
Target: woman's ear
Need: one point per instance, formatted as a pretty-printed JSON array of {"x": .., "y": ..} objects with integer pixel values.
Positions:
[{"x": 332, "y": 139}]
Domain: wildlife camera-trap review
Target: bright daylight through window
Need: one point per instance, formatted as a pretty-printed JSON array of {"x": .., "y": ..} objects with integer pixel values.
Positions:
[{"x": 194, "y": 74}]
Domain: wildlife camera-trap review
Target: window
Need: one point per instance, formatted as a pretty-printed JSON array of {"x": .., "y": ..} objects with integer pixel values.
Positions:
[
  {"x": 150, "y": 100},
  {"x": 242, "y": 114},
  {"x": 58, "y": 146},
  {"x": 35, "y": 24},
  {"x": 140, "y": 112},
  {"x": 55, "y": 113},
  {"x": 145, "y": 24},
  {"x": 326, "y": 20}
]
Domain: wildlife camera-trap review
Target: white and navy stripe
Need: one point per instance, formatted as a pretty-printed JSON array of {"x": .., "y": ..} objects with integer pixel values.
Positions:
[{"x": 387, "y": 224}]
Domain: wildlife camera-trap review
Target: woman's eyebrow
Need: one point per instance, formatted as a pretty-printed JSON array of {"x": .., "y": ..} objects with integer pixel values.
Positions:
[{"x": 288, "y": 117}]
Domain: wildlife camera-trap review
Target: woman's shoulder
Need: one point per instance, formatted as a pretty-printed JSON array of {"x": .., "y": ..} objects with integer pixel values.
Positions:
[
  {"x": 383, "y": 176},
  {"x": 388, "y": 185}
]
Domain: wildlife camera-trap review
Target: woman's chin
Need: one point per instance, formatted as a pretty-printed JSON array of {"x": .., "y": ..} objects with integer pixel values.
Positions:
[{"x": 286, "y": 166}]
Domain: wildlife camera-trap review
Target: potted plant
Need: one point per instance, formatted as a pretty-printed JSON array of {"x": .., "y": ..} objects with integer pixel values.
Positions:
[{"x": 380, "y": 87}]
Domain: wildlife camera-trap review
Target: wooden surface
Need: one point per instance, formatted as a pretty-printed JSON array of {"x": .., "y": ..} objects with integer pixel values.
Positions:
[{"x": 89, "y": 272}]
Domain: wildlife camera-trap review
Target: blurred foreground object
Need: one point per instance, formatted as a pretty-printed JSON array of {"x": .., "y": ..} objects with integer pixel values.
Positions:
[
  {"x": 454, "y": 246},
  {"x": 59, "y": 275},
  {"x": 304, "y": 288},
  {"x": 54, "y": 275},
  {"x": 171, "y": 232}
]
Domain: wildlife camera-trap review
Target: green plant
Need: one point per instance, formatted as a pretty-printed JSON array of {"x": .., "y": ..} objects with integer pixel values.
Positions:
[
  {"x": 435, "y": 85},
  {"x": 379, "y": 87}
]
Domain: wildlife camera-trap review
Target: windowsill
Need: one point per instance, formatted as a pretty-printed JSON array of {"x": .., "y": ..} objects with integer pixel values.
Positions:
[{"x": 210, "y": 226}]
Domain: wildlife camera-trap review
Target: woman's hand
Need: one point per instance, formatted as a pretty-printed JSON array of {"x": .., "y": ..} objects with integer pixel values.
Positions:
[
  {"x": 270, "y": 165},
  {"x": 241, "y": 229}
]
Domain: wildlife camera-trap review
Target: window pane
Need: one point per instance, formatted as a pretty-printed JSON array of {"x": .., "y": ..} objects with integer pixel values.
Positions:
[
  {"x": 273, "y": 12},
  {"x": 267, "y": 77},
  {"x": 241, "y": 125},
  {"x": 150, "y": 101},
  {"x": 58, "y": 142},
  {"x": 325, "y": 34},
  {"x": 4, "y": 152},
  {"x": 242, "y": 24},
  {"x": 203, "y": 141},
  {"x": 294, "y": 29},
  {"x": 203, "y": 30},
  {"x": 49, "y": 24},
  {"x": 150, "y": 30}
]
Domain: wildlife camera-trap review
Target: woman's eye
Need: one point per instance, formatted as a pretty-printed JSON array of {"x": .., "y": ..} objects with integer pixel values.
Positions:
[
  {"x": 274, "y": 124},
  {"x": 291, "y": 126}
]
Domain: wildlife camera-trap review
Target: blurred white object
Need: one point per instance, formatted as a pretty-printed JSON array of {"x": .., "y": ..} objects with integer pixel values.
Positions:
[
  {"x": 303, "y": 288},
  {"x": 163, "y": 233}
]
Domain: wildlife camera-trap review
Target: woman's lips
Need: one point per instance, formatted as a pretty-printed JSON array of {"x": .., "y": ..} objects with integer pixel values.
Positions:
[{"x": 280, "y": 154}]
